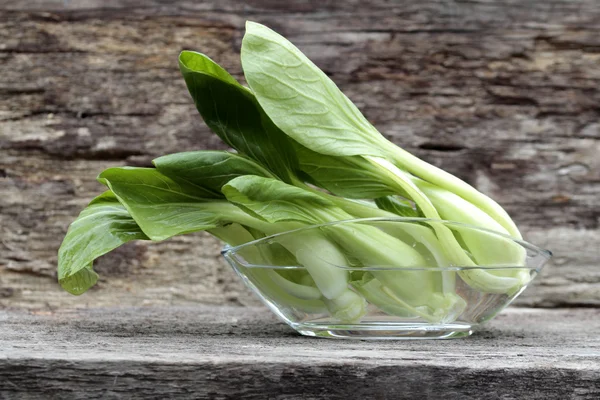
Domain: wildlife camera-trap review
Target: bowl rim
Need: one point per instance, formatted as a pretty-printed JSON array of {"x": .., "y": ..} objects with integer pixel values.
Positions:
[{"x": 228, "y": 250}]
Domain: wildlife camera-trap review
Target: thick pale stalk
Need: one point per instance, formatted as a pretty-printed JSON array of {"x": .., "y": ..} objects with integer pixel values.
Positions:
[
  {"x": 477, "y": 278},
  {"x": 268, "y": 281},
  {"x": 443, "y": 179}
]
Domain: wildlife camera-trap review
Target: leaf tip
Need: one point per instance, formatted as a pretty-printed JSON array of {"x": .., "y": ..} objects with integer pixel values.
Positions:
[
  {"x": 184, "y": 54},
  {"x": 252, "y": 25},
  {"x": 185, "y": 57},
  {"x": 79, "y": 282}
]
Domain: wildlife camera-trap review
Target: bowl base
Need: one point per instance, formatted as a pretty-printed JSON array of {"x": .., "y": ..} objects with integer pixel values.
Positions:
[{"x": 389, "y": 331}]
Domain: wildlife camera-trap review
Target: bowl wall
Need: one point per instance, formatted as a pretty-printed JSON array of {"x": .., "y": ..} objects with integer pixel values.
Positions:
[{"x": 387, "y": 278}]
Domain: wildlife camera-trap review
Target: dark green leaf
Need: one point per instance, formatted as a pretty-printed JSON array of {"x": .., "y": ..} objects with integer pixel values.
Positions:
[
  {"x": 208, "y": 169},
  {"x": 350, "y": 176},
  {"x": 233, "y": 113},
  {"x": 163, "y": 207},
  {"x": 101, "y": 227}
]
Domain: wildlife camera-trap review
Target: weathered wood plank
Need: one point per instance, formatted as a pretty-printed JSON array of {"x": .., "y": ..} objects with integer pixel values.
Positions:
[
  {"x": 504, "y": 94},
  {"x": 233, "y": 352}
]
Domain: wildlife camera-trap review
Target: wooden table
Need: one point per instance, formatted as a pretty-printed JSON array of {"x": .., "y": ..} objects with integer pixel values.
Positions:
[{"x": 234, "y": 352}]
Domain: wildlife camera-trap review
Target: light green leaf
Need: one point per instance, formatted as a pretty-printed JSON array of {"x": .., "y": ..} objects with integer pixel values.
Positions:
[
  {"x": 301, "y": 99},
  {"x": 101, "y": 227},
  {"x": 80, "y": 281},
  {"x": 233, "y": 113},
  {"x": 307, "y": 106},
  {"x": 273, "y": 200}
]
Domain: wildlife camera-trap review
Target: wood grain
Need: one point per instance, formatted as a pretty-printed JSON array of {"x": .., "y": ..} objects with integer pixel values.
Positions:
[
  {"x": 234, "y": 353},
  {"x": 504, "y": 94}
]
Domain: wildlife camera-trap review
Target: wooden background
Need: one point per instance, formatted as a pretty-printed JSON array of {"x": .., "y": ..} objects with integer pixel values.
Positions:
[{"x": 504, "y": 94}]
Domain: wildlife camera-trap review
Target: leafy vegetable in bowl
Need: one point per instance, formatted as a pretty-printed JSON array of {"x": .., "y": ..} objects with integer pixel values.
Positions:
[{"x": 304, "y": 156}]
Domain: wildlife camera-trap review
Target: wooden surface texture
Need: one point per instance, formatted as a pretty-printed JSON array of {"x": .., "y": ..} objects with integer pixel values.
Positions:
[
  {"x": 244, "y": 353},
  {"x": 504, "y": 94}
]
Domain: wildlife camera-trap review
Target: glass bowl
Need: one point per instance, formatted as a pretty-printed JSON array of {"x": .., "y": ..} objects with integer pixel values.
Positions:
[{"x": 387, "y": 278}]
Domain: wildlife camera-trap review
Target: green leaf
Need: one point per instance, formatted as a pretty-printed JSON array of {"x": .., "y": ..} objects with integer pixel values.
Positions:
[
  {"x": 308, "y": 106},
  {"x": 208, "y": 169},
  {"x": 398, "y": 206},
  {"x": 233, "y": 113},
  {"x": 301, "y": 99},
  {"x": 351, "y": 176},
  {"x": 101, "y": 227},
  {"x": 80, "y": 281},
  {"x": 163, "y": 207},
  {"x": 257, "y": 136},
  {"x": 275, "y": 201}
]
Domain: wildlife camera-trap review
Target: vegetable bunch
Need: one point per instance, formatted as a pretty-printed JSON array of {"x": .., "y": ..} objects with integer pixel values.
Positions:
[{"x": 304, "y": 155}]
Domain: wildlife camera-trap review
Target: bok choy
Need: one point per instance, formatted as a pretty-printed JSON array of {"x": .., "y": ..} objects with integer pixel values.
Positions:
[{"x": 302, "y": 155}]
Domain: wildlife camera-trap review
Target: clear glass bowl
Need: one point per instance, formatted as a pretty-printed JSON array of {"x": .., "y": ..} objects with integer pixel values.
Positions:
[{"x": 387, "y": 278}]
